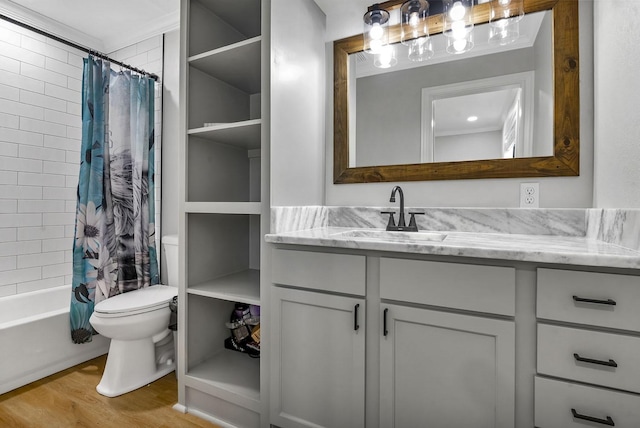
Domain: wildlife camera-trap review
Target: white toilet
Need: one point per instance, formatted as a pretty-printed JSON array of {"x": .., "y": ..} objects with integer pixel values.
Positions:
[{"x": 135, "y": 322}]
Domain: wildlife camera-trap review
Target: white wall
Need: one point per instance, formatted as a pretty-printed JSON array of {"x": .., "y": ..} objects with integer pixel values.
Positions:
[
  {"x": 560, "y": 192},
  {"x": 40, "y": 138},
  {"x": 617, "y": 104}
]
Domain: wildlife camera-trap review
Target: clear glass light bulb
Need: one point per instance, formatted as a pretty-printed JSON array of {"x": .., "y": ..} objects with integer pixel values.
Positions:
[
  {"x": 459, "y": 45},
  {"x": 414, "y": 19},
  {"x": 457, "y": 11},
  {"x": 376, "y": 31}
]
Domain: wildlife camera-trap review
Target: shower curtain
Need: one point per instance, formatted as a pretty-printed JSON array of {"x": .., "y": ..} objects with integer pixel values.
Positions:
[{"x": 114, "y": 247}]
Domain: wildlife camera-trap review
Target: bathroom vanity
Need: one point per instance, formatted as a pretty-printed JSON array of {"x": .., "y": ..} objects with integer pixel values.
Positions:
[{"x": 476, "y": 329}]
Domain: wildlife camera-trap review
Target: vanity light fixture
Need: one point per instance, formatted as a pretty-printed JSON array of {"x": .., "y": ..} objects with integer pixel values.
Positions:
[
  {"x": 386, "y": 58},
  {"x": 376, "y": 34},
  {"x": 414, "y": 31},
  {"x": 458, "y": 25},
  {"x": 504, "y": 21}
]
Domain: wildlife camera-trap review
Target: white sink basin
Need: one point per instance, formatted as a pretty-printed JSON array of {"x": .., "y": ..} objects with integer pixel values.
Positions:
[{"x": 383, "y": 235}]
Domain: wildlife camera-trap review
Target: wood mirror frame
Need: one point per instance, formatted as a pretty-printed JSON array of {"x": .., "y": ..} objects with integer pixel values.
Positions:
[{"x": 566, "y": 128}]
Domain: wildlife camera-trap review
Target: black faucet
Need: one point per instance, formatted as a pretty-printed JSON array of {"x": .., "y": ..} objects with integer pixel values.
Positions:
[{"x": 401, "y": 226}]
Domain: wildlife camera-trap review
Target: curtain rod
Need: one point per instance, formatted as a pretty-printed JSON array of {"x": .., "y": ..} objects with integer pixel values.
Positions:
[{"x": 79, "y": 47}]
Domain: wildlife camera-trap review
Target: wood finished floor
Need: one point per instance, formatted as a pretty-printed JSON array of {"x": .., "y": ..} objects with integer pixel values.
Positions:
[{"x": 69, "y": 399}]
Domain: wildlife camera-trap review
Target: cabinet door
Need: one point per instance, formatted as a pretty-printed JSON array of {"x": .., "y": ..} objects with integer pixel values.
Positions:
[
  {"x": 442, "y": 369},
  {"x": 317, "y": 361}
]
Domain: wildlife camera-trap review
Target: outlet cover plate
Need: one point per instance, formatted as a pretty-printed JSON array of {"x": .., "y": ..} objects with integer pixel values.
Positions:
[{"x": 529, "y": 195}]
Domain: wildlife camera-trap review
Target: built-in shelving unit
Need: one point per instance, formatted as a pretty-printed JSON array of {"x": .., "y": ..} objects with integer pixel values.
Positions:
[{"x": 222, "y": 209}]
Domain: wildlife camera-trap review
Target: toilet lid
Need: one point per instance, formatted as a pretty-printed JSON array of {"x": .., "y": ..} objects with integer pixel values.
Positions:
[{"x": 134, "y": 301}]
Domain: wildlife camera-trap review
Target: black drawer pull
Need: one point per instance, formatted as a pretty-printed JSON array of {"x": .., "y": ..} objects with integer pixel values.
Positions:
[
  {"x": 608, "y": 421},
  {"x": 610, "y": 363},
  {"x": 596, "y": 301},
  {"x": 384, "y": 322},
  {"x": 356, "y": 327}
]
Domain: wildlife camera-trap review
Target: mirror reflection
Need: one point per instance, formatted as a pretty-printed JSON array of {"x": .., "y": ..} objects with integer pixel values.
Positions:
[{"x": 492, "y": 102}]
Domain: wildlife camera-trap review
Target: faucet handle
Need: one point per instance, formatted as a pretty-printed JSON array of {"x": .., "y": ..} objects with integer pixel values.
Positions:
[
  {"x": 392, "y": 221},
  {"x": 412, "y": 220}
]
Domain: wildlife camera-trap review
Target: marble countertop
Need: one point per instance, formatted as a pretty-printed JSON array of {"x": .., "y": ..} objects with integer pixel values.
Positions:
[{"x": 568, "y": 250}]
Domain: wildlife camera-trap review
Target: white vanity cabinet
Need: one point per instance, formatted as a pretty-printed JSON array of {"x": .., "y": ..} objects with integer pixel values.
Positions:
[
  {"x": 440, "y": 368},
  {"x": 588, "y": 349},
  {"x": 318, "y": 340},
  {"x": 440, "y": 364}
]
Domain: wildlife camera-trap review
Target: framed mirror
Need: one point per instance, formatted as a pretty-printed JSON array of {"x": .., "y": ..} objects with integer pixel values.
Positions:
[{"x": 528, "y": 147}]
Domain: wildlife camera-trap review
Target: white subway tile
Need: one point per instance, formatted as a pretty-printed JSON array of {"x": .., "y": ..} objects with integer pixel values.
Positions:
[
  {"x": 21, "y": 247},
  {"x": 70, "y": 206},
  {"x": 74, "y": 84},
  {"x": 8, "y": 290},
  {"x": 41, "y": 100},
  {"x": 40, "y": 206},
  {"x": 21, "y": 137},
  {"x": 20, "y": 30},
  {"x": 8, "y": 177},
  {"x": 63, "y": 68},
  {"x": 42, "y": 259},
  {"x": 9, "y": 92},
  {"x": 72, "y": 156},
  {"x": 7, "y": 263},
  {"x": 68, "y": 256},
  {"x": 20, "y": 275},
  {"x": 62, "y": 93},
  {"x": 31, "y": 152},
  {"x": 69, "y": 231},
  {"x": 57, "y": 193},
  {"x": 20, "y": 192},
  {"x": 124, "y": 53},
  {"x": 68, "y": 279},
  {"x": 59, "y": 244},
  {"x": 9, "y": 121},
  {"x": 8, "y": 234},
  {"x": 22, "y": 82},
  {"x": 20, "y": 109},
  {"x": 43, "y": 48},
  {"x": 17, "y": 164},
  {"x": 8, "y": 206},
  {"x": 62, "y": 46},
  {"x": 154, "y": 54},
  {"x": 9, "y": 64},
  {"x": 70, "y": 181},
  {"x": 43, "y": 74},
  {"x": 60, "y": 168},
  {"x": 8, "y": 149},
  {"x": 149, "y": 44},
  {"x": 20, "y": 54},
  {"x": 44, "y": 232},
  {"x": 75, "y": 60},
  {"x": 63, "y": 118},
  {"x": 20, "y": 220},
  {"x": 58, "y": 219},
  {"x": 33, "y": 179},
  {"x": 74, "y": 132},
  {"x": 42, "y": 284},
  {"x": 10, "y": 36},
  {"x": 76, "y": 109},
  {"x": 43, "y": 127},
  {"x": 62, "y": 143},
  {"x": 57, "y": 270}
]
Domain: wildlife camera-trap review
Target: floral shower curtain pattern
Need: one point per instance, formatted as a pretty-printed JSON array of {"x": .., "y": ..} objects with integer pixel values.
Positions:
[{"x": 114, "y": 247}]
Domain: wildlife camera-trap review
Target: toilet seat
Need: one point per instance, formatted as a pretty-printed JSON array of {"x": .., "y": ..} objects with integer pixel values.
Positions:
[{"x": 136, "y": 302}]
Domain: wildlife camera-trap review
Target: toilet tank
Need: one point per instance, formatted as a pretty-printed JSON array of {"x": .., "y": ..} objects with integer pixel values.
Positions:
[{"x": 170, "y": 244}]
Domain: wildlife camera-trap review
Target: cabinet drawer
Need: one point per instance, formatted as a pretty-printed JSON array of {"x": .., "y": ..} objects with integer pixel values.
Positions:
[
  {"x": 554, "y": 401},
  {"x": 611, "y": 359},
  {"x": 488, "y": 289},
  {"x": 343, "y": 273},
  {"x": 561, "y": 295}
]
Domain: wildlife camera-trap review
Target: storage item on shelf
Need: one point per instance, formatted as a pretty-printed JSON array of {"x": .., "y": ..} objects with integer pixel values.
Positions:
[{"x": 244, "y": 324}]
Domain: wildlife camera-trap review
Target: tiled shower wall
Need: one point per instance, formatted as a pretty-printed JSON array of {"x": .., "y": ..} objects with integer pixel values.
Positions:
[{"x": 40, "y": 133}]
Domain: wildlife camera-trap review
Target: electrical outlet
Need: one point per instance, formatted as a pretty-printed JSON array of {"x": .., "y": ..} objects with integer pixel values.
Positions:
[{"x": 529, "y": 195}]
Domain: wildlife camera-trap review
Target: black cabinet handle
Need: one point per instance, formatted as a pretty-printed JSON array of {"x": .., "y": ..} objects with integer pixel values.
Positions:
[
  {"x": 384, "y": 322},
  {"x": 596, "y": 301},
  {"x": 356, "y": 327},
  {"x": 608, "y": 421},
  {"x": 610, "y": 363}
]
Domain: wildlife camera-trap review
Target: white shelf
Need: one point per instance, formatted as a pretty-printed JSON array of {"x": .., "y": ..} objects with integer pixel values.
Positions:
[
  {"x": 230, "y": 375},
  {"x": 223, "y": 207},
  {"x": 245, "y": 134},
  {"x": 237, "y": 64},
  {"x": 241, "y": 287}
]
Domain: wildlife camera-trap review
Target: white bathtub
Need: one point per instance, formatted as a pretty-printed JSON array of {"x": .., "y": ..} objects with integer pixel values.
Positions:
[{"x": 35, "y": 338}]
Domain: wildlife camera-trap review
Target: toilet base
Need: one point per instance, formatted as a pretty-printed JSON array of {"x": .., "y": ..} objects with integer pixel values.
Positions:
[{"x": 131, "y": 364}]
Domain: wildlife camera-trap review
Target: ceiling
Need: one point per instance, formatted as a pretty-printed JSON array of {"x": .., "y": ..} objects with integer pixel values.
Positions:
[{"x": 98, "y": 24}]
